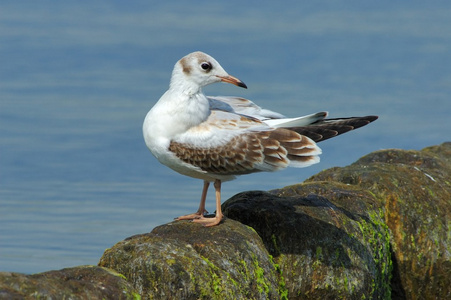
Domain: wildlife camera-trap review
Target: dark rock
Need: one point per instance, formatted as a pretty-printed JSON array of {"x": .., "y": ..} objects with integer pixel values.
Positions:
[
  {"x": 375, "y": 229},
  {"x": 330, "y": 242},
  {"x": 84, "y": 282},
  {"x": 184, "y": 260}
]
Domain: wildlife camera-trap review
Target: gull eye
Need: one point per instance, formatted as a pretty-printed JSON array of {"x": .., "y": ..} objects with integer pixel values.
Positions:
[{"x": 205, "y": 66}]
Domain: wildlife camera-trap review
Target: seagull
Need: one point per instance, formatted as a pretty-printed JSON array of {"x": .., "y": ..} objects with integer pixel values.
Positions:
[{"x": 216, "y": 139}]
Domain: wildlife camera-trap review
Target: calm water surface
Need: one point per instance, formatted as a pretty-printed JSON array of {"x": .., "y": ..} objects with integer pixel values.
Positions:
[{"x": 77, "y": 78}]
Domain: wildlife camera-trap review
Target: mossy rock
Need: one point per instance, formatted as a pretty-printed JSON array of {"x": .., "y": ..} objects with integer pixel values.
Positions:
[
  {"x": 84, "y": 282},
  {"x": 413, "y": 188},
  {"x": 185, "y": 260},
  {"x": 331, "y": 246},
  {"x": 377, "y": 229}
]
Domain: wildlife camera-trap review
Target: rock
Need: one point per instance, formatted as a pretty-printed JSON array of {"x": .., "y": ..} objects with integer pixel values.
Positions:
[
  {"x": 331, "y": 246},
  {"x": 184, "y": 260},
  {"x": 375, "y": 229},
  {"x": 84, "y": 282},
  {"x": 413, "y": 188}
]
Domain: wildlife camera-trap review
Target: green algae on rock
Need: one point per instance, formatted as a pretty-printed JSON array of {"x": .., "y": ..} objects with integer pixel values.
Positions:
[
  {"x": 375, "y": 229},
  {"x": 413, "y": 189},
  {"x": 324, "y": 247},
  {"x": 184, "y": 260}
]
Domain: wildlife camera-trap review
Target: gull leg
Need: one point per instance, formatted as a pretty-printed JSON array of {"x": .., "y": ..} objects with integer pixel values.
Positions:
[
  {"x": 208, "y": 222},
  {"x": 201, "y": 211}
]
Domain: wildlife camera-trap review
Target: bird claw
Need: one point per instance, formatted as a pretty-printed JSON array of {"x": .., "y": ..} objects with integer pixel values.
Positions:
[{"x": 208, "y": 222}]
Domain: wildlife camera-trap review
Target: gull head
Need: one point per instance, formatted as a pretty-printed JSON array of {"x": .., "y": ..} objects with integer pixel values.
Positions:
[{"x": 197, "y": 70}]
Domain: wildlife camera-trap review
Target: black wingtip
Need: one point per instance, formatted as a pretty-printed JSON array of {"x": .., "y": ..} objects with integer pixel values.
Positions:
[
  {"x": 328, "y": 128},
  {"x": 371, "y": 118}
]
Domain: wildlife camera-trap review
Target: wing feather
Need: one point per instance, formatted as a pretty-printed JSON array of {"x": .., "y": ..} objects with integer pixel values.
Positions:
[
  {"x": 240, "y": 137},
  {"x": 216, "y": 146}
]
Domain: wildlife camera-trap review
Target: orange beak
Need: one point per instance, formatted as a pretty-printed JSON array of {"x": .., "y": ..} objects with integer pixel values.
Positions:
[{"x": 233, "y": 80}]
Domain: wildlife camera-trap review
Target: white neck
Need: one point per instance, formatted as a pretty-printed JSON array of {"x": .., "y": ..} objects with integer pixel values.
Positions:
[
  {"x": 182, "y": 84},
  {"x": 175, "y": 113}
]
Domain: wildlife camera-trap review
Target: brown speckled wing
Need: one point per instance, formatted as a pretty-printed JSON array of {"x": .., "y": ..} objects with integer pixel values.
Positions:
[{"x": 250, "y": 152}]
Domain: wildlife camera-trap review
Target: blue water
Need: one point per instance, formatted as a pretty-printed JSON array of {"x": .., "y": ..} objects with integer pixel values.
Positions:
[{"x": 78, "y": 77}]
